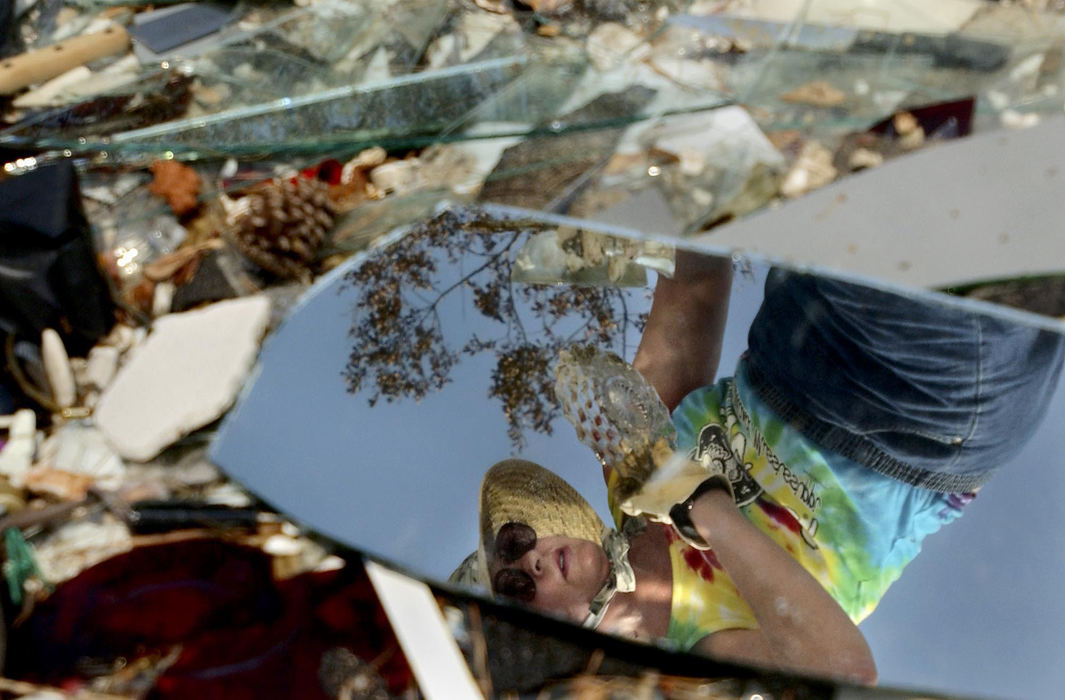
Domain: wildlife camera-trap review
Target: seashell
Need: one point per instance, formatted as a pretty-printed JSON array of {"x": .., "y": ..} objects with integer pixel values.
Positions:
[
  {"x": 399, "y": 176},
  {"x": 57, "y": 367},
  {"x": 813, "y": 169},
  {"x": 102, "y": 365}
]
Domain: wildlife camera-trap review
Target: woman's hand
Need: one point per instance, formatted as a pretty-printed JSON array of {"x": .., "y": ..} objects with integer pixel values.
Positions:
[
  {"x": 672, "y": 481},
  {"x": 801, "y": 627}
]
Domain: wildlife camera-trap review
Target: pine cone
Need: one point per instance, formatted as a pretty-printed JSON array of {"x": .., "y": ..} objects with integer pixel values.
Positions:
[{"x": 281, "y": 225}]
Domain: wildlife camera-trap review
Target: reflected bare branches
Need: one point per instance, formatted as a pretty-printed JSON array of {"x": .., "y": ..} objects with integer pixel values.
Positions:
[{"x": 402, "y": 350}]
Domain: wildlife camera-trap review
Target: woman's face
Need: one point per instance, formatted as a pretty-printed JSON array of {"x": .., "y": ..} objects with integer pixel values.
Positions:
[{"x": 567, "y": 573}]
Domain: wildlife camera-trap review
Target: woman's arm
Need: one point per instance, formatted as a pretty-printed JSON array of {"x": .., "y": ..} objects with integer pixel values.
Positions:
[
  {"x": 681, "y": 344},
  {"x": 801, "y": 627}
]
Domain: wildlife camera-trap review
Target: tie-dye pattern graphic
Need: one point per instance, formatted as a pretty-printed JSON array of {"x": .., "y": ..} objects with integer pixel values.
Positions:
[{"x": 851, "y": 528}]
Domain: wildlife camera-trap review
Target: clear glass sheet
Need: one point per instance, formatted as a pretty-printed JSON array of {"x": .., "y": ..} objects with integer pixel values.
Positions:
[
  {"x": 262, "y": 74},
  {"x": 410, "y": 110},
  {"x": 884, "y": 57},
  {"x": 269, "y": 55},
  {"x": 881, "y": 58},
  {"x": 693, "y": 168},
  {"x": 565, "y": 125},
  {"x": 299, "y": 52}
]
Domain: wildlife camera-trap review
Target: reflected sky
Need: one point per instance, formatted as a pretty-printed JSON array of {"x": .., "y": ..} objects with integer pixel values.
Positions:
[{"x": 399, "y": 479}]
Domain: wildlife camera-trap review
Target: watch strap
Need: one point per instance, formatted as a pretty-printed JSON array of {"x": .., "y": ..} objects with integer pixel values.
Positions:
[{"x": 680, "y": 514}]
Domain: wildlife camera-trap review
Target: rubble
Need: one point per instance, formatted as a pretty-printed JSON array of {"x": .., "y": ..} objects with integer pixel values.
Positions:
[
  {"x": 78, "y": 447},
  {"x": 77, "y": 546},
  {"x": 813, "y": 169},
  {"x": 862, "y": 158},
  {"x": 223, "y": 176}
]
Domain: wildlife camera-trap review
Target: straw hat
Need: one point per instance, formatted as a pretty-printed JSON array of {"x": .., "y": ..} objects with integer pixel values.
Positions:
[{"x": 516, "y": 490}]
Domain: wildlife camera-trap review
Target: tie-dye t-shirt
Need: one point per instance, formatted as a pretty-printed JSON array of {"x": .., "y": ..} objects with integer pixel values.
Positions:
[{"x": 853, "y": 529}]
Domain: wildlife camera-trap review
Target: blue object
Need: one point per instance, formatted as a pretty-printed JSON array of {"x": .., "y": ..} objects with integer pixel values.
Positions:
[
  {"x": 171, "y": 27},
  {"x": 934, "y": 395}
]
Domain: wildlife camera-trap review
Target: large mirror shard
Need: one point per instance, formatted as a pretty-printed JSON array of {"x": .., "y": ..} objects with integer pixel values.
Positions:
[{"x": 832, "y": 430}]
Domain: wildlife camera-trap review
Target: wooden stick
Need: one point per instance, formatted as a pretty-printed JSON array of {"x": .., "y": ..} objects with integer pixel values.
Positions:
[{"x": 46, "y": 63}]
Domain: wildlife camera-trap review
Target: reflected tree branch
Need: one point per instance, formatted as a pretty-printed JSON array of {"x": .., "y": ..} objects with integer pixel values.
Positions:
[{"x": 400, "y": 350}]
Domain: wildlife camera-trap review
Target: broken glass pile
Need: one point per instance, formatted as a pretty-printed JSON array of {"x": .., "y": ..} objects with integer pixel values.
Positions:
[{"x": 574, "y": 109}]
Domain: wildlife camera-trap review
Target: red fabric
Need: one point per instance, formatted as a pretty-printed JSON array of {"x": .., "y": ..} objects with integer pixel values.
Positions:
[
  {"x": 242, "y": 635},
  {"x": 328, "y": 171}
]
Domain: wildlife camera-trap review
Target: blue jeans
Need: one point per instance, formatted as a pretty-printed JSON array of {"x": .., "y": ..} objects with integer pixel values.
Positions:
[{"x": 935, "y": 396}]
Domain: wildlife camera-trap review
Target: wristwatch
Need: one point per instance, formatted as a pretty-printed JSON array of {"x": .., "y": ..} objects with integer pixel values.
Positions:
[{"x": 681, "y": 514}]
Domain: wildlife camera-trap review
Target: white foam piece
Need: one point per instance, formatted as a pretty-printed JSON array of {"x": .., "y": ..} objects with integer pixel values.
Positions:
[
  {"x": 424, "y": 636},
  {"x": 185, "y": 375}
]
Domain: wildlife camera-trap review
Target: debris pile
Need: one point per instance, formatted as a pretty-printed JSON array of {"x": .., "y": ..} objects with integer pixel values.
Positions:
[{"x": 167, "y": 195}]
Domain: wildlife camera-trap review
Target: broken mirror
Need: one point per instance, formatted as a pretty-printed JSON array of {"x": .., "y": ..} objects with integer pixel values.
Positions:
[{"x": 850, "y": 423}]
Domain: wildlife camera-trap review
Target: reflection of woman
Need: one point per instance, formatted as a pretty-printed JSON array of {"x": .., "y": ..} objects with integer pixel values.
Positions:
[{"x": 857, "y": 423}]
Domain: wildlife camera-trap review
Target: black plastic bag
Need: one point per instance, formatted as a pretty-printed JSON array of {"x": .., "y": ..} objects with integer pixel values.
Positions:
[
  {"x": 7, "y": 21},
  {"x": 48, "y": 272}
]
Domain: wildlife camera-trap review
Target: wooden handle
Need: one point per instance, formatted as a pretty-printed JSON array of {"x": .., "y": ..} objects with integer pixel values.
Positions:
[{"x": 39, "y": 65}]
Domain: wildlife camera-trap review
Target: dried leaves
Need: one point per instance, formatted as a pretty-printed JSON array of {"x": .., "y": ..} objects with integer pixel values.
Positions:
[{"x": 176, "y": 183}]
